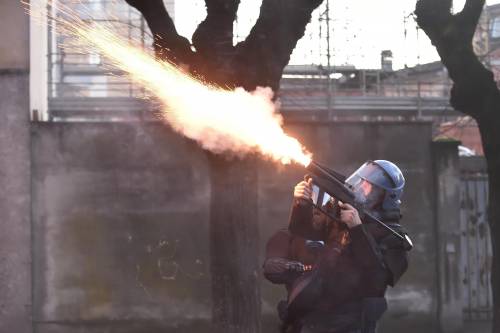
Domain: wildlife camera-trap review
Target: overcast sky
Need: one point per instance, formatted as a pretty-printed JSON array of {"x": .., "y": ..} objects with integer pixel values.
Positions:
[{"x": 361, "y": 29}]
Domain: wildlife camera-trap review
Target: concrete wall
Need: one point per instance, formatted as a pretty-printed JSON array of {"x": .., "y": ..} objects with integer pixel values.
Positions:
[
  {"x": 120, "y": 218},
  {"x": 14, "y": 43},
  {"x": 120, "y": 214},
  {"x": 447, "y": 210},
  {"x": 15, "y": 249}
]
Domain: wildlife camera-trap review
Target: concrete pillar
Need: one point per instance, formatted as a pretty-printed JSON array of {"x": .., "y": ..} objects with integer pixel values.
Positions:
[
  {"x": 447, "y": 232},
  {"x": 15, "y": 199}
]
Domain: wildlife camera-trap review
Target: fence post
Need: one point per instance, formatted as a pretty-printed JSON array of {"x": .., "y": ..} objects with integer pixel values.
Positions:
[{"x": 447, "y": 234}]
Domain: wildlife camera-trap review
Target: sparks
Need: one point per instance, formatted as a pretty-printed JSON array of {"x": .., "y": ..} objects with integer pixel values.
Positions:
[{"x": 220, "y": 120}]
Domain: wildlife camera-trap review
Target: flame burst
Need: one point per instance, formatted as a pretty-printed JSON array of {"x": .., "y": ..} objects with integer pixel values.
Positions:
[{"x": 220, "y": 120}]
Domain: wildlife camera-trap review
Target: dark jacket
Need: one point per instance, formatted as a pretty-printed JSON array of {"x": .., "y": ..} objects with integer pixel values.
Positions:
[{"x": 344, "y": 273}]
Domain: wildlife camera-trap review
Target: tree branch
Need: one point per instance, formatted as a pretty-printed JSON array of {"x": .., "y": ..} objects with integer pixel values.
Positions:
[
  {"x": 452, "y": 35},
  {"x": 433, "y": 17},
  {"x": 262, "y": 57},
  {"x": 168, "y": 44},
  {"x": 214, "y": 36},
  {"x": 213, "y": 40},
  {"x": 469, "y": 16}
]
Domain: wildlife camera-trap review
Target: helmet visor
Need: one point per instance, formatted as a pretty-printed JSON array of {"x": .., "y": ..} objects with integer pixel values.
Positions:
[
  {"x": 366, "y": 193},
  {"x": 375, "y": 174}
]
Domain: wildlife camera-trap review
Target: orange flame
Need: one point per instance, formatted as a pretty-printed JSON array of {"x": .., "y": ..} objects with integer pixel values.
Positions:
[{"x": 220, "y": 120}]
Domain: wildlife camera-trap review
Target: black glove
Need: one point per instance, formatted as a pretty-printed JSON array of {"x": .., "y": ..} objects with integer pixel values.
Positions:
[{"x": 295, "y": 266}]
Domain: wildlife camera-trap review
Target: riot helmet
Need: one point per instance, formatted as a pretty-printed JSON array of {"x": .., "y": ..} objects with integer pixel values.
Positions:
[{"x": 378, "y": 185}]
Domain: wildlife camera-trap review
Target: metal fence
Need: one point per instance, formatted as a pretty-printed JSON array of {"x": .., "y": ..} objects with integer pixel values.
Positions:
[
  {"x": 73, "y": 74},
  {"x": 74, "y": 77},
  {"x": 86, "y": 87},
  {"x": 476, "y": 246}
]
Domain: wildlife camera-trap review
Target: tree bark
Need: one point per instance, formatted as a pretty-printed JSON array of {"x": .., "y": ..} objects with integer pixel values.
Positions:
[
  {"x": 475, "y": 93},
  {"x": 258, "y": 61},
  {"x": 168, "y": 44},
  {"x": 217, "y": 28},
  {"x": 234, "y": 245},
  {"x": 263, "y": 55}
]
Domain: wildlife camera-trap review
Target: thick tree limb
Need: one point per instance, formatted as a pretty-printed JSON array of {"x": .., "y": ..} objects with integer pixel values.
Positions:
[
  {"x": 262, "y": 57},
  {"x": 433, "y": 17},
  {"x": 168, "y": 43},
  {"x": 469, "y": 16},
  {"x": 452, "y": 35},
  {"x": 213, "y": 40},
  {"x": 215, "y": 34},
  {"x": 257, "y": 61}
]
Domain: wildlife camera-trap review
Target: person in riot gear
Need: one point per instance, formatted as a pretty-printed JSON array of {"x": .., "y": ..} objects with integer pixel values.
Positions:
[
  {"x": 336, "y": 271},
  {"x": 379, "y": 184}
]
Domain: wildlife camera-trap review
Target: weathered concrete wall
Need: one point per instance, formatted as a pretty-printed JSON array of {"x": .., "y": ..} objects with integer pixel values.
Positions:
[
  {"x": 15, "y": 249},
  {"x": 120, "y": 216},
  {"x": 14, "y": 43},
  {"x": 15, "y": 234},
  {"x": 447, "y": 210}
]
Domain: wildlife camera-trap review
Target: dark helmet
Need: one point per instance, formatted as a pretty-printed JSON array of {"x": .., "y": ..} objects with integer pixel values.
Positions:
[{"x": 387, "y": 183}]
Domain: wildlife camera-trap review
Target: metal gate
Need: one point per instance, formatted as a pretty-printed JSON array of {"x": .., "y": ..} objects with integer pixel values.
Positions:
[{"x": 475, "y": 246}]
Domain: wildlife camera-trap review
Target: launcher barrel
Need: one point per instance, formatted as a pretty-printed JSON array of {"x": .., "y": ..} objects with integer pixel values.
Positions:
[{"x": 331, "y": 182}]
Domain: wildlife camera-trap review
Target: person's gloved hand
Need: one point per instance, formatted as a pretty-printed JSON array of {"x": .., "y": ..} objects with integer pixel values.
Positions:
[
  {"x": 303, "y": 190},
  {"x": 295, "y": 266},
  {"x": 349, "y": 215}
]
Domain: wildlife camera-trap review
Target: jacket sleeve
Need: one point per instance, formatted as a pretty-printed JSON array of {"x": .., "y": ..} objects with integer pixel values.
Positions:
[
  {"x": 395, "y": 258},
  {"x": 385, "y": 256},
  {"x": 365, "y": 249},
  {"x": 277, "y": 270},
  {"x": 300, "y": 221},
  {"x": 277, "y": 263}
]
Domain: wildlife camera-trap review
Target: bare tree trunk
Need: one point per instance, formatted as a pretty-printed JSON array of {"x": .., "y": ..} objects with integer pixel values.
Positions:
[
  {"x": 490, "y": 133},
  {"x": 234, "y": 237},
  {"x": 475, "y": 93},
  {"x": 257, "y": 61},
  {"x": 234, "y": 245}
]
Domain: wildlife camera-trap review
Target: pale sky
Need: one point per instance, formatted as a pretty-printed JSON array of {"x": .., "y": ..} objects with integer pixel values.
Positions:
[{"x": 361, "y": 29}]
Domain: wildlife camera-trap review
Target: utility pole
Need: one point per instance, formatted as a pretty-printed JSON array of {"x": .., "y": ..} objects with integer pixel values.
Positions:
[
  {"x": 419, "y": 93},
  {"x": 331, "y": 88}
]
